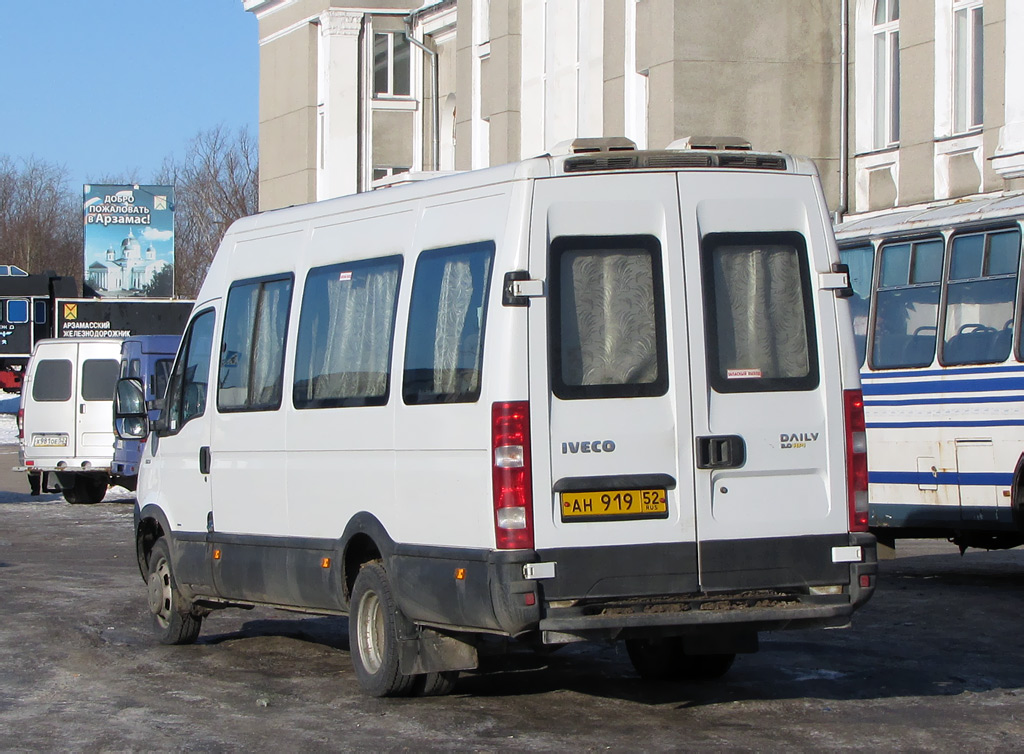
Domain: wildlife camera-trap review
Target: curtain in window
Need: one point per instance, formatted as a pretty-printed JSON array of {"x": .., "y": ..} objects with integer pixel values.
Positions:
[
  {"x": 608, "y": 318},
  {"x": 354, "y": 359},
  {"x": 268, "y": 353},
  {"x": 452, "y": 308},
  {"x": 759, "y": 301}
]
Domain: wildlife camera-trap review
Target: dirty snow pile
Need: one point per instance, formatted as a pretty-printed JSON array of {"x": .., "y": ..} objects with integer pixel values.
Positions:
[{"x": 8, "y": 420}]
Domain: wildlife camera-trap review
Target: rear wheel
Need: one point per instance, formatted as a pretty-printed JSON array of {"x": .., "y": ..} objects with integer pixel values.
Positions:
[
  {"x": 373, "y": 622},
  {"x": 665, "y": 659},
  {"x": 173, "y": 618},
  {"x": 87, "y": 488}
]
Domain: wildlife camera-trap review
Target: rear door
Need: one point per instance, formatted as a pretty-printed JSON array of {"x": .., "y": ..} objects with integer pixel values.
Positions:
[
  {"x": 97, "y": 375},
  {"x": 766, "y": 399},
  {"x": 50, "y": 403},
  {"x": 613, "y": 485}
]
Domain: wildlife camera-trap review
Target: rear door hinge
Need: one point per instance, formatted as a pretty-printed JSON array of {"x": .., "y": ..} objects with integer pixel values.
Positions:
[{"x": 838, "y": 280}]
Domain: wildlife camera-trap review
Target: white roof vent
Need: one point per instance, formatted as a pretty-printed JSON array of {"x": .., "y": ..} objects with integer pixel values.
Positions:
[
  {"x": 721, "y": 143},
  {"x": 593, "y": 144}
]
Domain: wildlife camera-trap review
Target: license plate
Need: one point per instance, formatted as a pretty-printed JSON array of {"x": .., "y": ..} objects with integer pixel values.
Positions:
[
  {"x": 49, "y": 441},
  {"x": 614, "y": 505}
]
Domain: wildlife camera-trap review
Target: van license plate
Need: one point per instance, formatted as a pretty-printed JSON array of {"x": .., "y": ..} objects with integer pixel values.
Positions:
[
  {"x": 49, "y": 441},
  {"x": 614, "y": 505}
]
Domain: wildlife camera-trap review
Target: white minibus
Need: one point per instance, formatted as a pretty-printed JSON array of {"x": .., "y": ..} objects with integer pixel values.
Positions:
[{"x": 609, "y": 394}]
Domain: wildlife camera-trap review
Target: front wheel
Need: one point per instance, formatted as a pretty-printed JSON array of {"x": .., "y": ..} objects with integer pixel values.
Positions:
[
  {"x": 173, "y": 618},
  {"x": 665, "y": 659},
  {"x": 373, "y": 635}
]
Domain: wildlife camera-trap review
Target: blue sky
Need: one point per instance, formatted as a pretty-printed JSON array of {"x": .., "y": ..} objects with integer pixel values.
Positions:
[{"x": 109, "y": 88}]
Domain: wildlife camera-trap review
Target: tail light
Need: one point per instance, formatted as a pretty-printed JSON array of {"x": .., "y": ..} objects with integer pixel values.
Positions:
[
  {"x": 21, "y": 424},
  {"x": 511, "y": 477},
  {"x": 856, "y": 459}
]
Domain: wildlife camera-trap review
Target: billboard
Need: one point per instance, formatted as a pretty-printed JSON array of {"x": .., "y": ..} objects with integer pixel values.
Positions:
[{"x": 129, "y": 240}]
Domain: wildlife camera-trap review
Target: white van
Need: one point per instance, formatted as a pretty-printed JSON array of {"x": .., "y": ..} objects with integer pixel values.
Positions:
[
  {"x": 67, "y": 441},
  {"x": 611, "y": 394}
]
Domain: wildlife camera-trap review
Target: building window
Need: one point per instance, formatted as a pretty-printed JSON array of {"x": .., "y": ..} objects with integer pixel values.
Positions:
[
  {"x": 886, "y": 38},
  {"x": 381, "y": 172},
  {"x": 391, "y": 65},
  {"x": 968, "y": 69}
]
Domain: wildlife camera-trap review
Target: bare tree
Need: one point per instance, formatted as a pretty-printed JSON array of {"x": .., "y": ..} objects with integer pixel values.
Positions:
[
  {"x": 215, "y": 184},
  {"x": 40, "y": 218}
]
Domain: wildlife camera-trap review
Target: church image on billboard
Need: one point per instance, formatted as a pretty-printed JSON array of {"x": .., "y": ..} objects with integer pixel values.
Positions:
[{"x": 129, "y": 240}]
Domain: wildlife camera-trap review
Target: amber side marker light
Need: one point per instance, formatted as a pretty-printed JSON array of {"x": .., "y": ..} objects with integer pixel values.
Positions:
[
  {"x": 216, "y": 554},
  {"x": 325, "y": 563},
  {"x": 460, "y": 574}
]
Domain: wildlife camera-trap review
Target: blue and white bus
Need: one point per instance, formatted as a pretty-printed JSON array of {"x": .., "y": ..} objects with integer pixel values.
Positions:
[{"x": 937, "y": 312}]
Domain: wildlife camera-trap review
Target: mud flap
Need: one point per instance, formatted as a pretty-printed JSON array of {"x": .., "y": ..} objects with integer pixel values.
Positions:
[{"x": 433, "y": 652}]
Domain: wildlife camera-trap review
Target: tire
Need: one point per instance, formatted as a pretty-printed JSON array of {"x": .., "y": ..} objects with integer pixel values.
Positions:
[
  {"x": 174, "y": 621},
  {"x": 373, "y": 622},
  {"x": 435, "y": 684},
  {"x": 665, "y": 659},
  {"x": 87, "y": 489}
]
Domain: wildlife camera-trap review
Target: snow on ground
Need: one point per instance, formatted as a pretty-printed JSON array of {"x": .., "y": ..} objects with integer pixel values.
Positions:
[{"x": 8, "y": 429}]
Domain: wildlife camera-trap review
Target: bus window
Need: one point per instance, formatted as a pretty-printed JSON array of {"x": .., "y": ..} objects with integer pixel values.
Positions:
[
  {"x": 980, "y": 297},
  {"x": 907, "y": 304},
  {"x": 861, "y": 261}
]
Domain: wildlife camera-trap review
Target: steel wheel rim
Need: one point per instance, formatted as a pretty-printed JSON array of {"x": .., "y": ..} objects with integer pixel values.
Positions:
[
  {"x": 160, "y": 593},
  {"x": 371, "y": 632}
]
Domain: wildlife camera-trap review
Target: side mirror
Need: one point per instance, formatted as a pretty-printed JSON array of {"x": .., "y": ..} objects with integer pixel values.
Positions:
[{"x": 131, "y": 420}]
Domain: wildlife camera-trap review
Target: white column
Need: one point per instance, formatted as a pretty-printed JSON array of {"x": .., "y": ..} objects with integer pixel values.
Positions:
[
  {"x": 1008, "y": 160},
  {"x": 338, "y": 103}
]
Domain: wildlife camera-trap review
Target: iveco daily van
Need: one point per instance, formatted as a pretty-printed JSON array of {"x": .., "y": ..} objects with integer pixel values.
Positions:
[
  {"x": 610, "y": 394},
  {"x": 148, "y": 359},
  {"x": 67, "y": 441}
]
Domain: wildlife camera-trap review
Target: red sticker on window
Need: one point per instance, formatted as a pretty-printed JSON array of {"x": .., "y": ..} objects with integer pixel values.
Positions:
[{"x": 743, "y": 374}]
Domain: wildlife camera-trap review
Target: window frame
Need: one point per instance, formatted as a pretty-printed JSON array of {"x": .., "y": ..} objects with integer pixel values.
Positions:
[
  {"x": 390, "y": 66},
  {"x": 885, "y": 125},
  {"x": 948, "y": 282},
  {"x": 412, "y": 397},
  {"x": 249, "y": 406},
  {"x": 967, "y": 88},
  {"x": 878, "y": 289},
  {"x": 175, "y": 380},
  {"x": 574, "y": 243}
]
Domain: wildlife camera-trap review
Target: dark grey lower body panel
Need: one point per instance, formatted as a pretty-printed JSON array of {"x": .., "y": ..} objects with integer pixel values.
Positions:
[{"x": 599, "y": 590}]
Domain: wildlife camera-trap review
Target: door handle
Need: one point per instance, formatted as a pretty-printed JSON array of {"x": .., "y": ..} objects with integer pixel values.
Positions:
[
  {"x": 204, "y": 459},
  {"x": 721, "y": 452}
]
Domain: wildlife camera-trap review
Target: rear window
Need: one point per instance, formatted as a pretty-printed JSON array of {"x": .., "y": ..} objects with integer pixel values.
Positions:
[
  {"x": 607, "y": 317},
  {"x": 759, "y": 316},
  {"x": 98, "y": 379},
  {"x": 52, "y": 380}
]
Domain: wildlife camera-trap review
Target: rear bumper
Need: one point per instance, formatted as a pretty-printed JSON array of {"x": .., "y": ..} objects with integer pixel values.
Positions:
[{"x": 615, "y": 591}]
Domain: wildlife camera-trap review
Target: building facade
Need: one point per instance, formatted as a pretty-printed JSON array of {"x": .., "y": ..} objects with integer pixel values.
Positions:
[{"x": 897, "y": 103}]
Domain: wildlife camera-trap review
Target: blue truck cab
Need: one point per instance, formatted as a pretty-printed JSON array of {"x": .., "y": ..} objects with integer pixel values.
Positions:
[{"x": 147, "y": 358}]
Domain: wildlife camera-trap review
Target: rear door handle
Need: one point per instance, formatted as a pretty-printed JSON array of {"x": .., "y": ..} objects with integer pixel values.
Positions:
[
  {"x": 204, "y": 459},
  {"x": 721, "y": 452}
]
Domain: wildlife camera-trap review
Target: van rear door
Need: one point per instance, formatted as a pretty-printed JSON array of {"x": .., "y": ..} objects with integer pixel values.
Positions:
[
  {"x": 613, "y": 483},
  {"x": 767, "y": 406},
  {"x": 50, "y": 424},
  {"x": 98, "y": 373}
]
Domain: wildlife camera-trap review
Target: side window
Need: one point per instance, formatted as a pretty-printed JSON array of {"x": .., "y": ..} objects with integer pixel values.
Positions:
[
  {"x": 980, "y": 297},
  {"x": 40, "y": 312},
  {"x": 98, "y": 379},
  {"x": 252, "y": 351},
  {"x": 607, "y": 326},
  {"x": 52, "y": 380},
  {"x": 187, "y": 389},
  {"x": 861, "y": 261},
  {"x": 346, "y": 332},
  {"x": 907, "y": 304},
  {"x": 758, "y": 312},
  {"x": 444, "y": 344},
  {"x": 158, "y": 380},
  {"x": 17, "y": 311}
]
